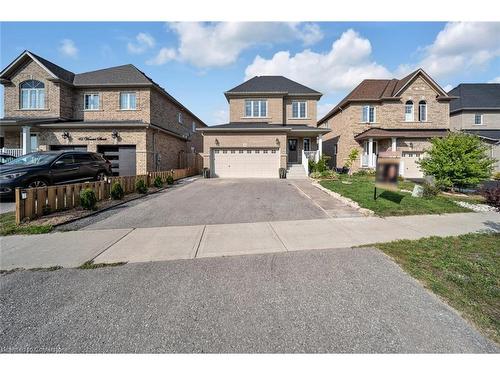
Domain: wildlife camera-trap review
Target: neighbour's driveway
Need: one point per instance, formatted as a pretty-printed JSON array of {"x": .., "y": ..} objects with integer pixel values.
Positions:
[
  {"x": 212, "y": 201},
  {"x": 348, "y": 300}
]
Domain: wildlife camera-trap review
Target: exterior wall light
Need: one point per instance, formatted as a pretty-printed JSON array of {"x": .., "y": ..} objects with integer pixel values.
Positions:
[
  {"x": 114, "y": 134},
  {"x": 216, "y": 142},
  {"x": 277, "y": 141},
  {"x": 65, "y": 135}
]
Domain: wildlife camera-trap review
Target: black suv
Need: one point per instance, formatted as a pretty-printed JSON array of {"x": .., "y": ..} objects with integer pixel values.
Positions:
[{"x": 50, "y": 168}]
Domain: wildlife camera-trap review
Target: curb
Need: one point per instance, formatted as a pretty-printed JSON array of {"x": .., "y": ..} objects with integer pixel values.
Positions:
[{"x": 347, "y": 201}]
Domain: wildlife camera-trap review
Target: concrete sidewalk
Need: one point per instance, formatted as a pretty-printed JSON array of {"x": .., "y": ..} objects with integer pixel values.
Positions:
[{"x": 71, "y": 249}]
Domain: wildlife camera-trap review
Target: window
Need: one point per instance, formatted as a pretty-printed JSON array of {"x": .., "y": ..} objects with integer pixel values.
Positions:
[
  {"x": 307, "y": 144},
  {"x": 91, "y": 102},
  {"x": 368, "y": 113},
  {"x": 83, "y": 158},
  {"x": 127, "y": 100},
  {"x": 409, "y": 111},
  {"x": 193, "y": 126},
  {"x": 299, "y": 109},
  {"x": 179, "y": 118},
  {"x": 478, "y": 119},
  {"x": 255, "y": 108},
  {"x": 32, "y": 95},
  {"x": 422, "y": 111}
]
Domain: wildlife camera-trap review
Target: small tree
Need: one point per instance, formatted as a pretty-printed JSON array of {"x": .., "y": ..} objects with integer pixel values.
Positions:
[
  {"x": 353, "y": 155},
  {"x": 457, "y": 160}
]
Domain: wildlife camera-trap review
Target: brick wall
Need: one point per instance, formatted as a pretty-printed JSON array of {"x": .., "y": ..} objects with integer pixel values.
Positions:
[{"x": 170, "y": 149}]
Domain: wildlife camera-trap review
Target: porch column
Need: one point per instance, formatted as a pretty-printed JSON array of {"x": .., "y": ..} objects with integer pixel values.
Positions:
[
  {"x": 26, "y": 143},
  {"x": 393, "y": 145},
  {"x": 370, "y": 152},
  {"x": 320, "y": 145}
]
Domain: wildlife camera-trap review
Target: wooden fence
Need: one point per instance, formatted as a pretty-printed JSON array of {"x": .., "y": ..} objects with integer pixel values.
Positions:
[{"x": 37, "y": 202}]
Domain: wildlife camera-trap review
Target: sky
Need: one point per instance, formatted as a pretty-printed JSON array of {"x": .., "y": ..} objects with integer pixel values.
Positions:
[{"x": 197, "y": 62}]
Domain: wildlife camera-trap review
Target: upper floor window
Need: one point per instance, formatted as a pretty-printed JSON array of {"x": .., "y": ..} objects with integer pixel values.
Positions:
[
  {"x": 299, "y": 109},
  {"x": 91, "y": 102},
  {"x": 128, "y": 100},
  {"x": 179, "y": 118},
  {"x": 368, "y": 113},
  {"x": 409, "y": 111},
  {"x": 32, "y": 95},
  {"x": 478, "y": 119},
  {"x": 422, "y": 111},
  {"x": 255, "y": 108},
  {"x": 193, "y": 126}
]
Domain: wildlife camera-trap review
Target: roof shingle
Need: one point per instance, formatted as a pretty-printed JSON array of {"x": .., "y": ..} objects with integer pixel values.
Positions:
[
  {"x": 475, "y": 95},
  {"x": 272, "y": 84}
]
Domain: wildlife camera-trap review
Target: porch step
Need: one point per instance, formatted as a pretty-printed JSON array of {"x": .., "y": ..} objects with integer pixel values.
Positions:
[{"x": 296, "y": 171}]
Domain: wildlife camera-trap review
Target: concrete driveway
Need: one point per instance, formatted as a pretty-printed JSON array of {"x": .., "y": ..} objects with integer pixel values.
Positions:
[
  {"x": 214, "y": 201},
  {"x": 343, "y": 301}
]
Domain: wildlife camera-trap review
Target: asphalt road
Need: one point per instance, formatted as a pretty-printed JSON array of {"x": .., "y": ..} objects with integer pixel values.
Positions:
[
  {"x": 352, "y": 300},
  {"x": 210, "y": 201}
]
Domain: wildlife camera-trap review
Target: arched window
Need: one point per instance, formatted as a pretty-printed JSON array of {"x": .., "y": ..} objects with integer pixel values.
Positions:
[
  {"x": 422, "y": 111},
  {"x": 32, "y": 95},
  {"x": 409, "y": 111}
]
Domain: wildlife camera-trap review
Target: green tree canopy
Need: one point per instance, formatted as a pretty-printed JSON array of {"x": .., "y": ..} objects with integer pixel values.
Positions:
[{"x": 457, "y": 160}]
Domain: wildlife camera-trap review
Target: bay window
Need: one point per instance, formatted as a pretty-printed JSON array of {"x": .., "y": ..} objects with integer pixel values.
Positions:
[{"x": 255, "y": 108}]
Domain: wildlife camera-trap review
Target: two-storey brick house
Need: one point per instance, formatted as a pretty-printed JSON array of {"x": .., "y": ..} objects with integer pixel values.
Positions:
[
  {"x": 272, "y": 125},
  {"x": 118, "y": 111},
  {"x": 392, "y": 116},
  {"x": 476, "y": 110}
]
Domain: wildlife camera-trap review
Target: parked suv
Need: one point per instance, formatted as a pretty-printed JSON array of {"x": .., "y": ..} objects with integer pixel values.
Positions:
[{"x": 50, "y": 168}]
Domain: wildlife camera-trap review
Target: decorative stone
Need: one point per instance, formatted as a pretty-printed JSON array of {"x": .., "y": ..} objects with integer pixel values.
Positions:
[{"x": 418, "y": 191}]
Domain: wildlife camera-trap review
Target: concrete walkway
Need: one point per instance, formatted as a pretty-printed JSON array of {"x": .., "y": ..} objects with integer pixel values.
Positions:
[{"x": 71, "y": 249}]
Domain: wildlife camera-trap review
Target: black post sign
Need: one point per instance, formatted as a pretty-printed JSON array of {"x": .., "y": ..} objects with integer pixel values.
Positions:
[{"x": 386, "y": 174}]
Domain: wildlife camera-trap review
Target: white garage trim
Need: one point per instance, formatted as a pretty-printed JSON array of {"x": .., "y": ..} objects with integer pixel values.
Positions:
[{"x": 245, "y": 162}]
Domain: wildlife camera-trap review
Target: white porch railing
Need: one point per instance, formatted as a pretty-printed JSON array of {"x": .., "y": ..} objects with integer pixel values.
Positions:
[
  {"x": 305, "y": 162},
  {"x": 368, "y": 161},
  {"x": 312, "y": 155},
  {"x": 12, "y": 151}
]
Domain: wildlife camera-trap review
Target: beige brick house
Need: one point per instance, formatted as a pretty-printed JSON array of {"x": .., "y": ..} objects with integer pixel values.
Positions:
[
  {"x": 387, "y": 117},
  {"x": 118, "y": 111},
  {"x": 272, "y": 125}
]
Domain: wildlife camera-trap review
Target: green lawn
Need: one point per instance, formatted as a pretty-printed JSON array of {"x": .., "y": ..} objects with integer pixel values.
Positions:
[
  {"x": 390, "y": 203},
  {"x": 463, "y": 270},
  {"x": 8, "y": 226}
]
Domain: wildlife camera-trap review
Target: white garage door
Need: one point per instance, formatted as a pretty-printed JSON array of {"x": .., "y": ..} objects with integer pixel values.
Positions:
[
  {"x": 410, "y": 166},
  {"x": 245, "y": 163}
]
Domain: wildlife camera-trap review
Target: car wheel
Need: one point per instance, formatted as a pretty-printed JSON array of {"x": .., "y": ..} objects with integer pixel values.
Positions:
[
  {"x": 100, "y": 176},
  {"x": 37, "y": 183}
]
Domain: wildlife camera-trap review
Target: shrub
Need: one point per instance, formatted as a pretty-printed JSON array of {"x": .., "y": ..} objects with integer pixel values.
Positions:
[
  {"x": 170, "y": 179},
  {"x": 312, "y": 166},
  {"x": 328, "y": 174},
  {"x": 158, "y": 182},
  {"x": 88, "y": 199},
  {"x": 496, "y": 176},
  {"x": 429, "y": 190},
  {"x": 492, "y": 196},
  {"x": 457, "y": 160},
  {"x": 353, "y": 155},
  {"x": 140, "y": 187},
  {"x": 315, "y": 174},
  {"x": 364, "y": 172},
  {"x": 117, "y": 191}
]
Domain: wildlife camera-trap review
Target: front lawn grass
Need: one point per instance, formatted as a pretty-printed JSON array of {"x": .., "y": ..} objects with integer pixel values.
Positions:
[
  {"x": 8, "y": 226},
  {"x": 463, "y": 270},
  {"x": 390, "y": 203}
]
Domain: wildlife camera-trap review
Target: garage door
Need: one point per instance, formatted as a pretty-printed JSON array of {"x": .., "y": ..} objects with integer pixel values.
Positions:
[
  {"x": 410, "y": 166},
  {"x": 68, "y": 148},
  {"x": 122, "y": 158},
  {"x": 245, "y": 163}
]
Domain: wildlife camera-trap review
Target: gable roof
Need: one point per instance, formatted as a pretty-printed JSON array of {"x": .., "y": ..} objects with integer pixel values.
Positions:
[
  {"x": 123, "y": 75},
  {"x": 272, "y": 85},
  {"x": 382, "y": 89},
  {"x": 475, "y": 96}
]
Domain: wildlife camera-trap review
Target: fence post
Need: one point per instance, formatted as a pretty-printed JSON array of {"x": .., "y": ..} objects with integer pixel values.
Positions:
[{"x": 19, "y": 207}]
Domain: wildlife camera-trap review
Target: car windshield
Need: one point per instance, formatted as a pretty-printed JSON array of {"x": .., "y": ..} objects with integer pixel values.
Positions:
[{"x": 35, "y": 158}]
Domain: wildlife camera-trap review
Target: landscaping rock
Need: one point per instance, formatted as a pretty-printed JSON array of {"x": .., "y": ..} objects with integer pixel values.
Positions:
[
  {"x": 418, "y": 191},
  {"x": 476, "y": 207}
]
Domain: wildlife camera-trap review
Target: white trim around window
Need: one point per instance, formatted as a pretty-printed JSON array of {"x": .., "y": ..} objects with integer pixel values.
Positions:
[
  {"x": 422, "y": 111},
  {"x": 128, "y": 101},
  {"x": 180, "y": 120},
  {"x": 91, "y": 101},
  {"x": 409, "y": 111},
  {"x": 32, "y": 95},
  {"x": 255, "y": 108},
  {"x": 478, "y": 119},
  {"x": 368, "y": 114},
  {"x": 299, "y": 109}
]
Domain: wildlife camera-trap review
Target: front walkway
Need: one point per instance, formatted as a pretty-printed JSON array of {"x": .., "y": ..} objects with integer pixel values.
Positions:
[{"x": 71, "y": 249}]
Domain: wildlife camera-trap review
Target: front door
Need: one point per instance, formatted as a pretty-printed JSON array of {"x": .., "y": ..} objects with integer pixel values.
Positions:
[{"x": 292, "y": 151}]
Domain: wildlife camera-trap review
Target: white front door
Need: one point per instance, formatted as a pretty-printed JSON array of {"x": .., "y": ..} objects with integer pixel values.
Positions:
[{"x": 245, "y": 163}]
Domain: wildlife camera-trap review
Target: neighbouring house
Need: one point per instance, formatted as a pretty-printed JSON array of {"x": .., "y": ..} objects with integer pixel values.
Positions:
[
  {"x": 476, "y": 110},
  {"x": 272, "y": 125},
  {"x": 395, "y": 117},
  {"x": 118, "y": 111}
]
